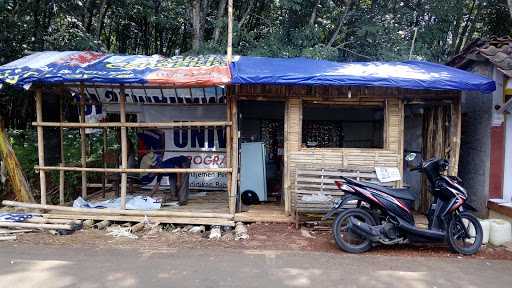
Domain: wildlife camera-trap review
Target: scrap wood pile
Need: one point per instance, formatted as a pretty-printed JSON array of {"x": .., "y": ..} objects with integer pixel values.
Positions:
[
  {"x": 113, "y": 214},
  {"x": 149, "y": 229},
  {"x": 12, "y": 224},
  {"x": 60, "y": 220}
]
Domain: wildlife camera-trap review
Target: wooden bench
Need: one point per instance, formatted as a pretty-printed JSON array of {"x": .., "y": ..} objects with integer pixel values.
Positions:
[{"x": 315, "y": 191}]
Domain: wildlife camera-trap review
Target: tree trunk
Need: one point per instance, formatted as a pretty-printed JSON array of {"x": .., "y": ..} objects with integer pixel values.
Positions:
[
  {"x": 465, "y": 28},
  {"x": 37, "y": 25},
  {"x": 246, "y": 15},
  {"x": 348, "y": 4},
  {"x": 197, "y": 30},
  {"x": 312, "y": 18},
  {"x": 156, "y": 27},
  {"x": 105, "y": 5},
  {"x": 90, "y": 14},
  {"x": 509, "y": 2},
  {"x": 218, "y": 25}
]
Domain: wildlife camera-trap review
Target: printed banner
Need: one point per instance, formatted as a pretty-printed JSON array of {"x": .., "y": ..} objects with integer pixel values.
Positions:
[
  {"x": 205, "y": 146},
  {"x": 88, "y": 66}
]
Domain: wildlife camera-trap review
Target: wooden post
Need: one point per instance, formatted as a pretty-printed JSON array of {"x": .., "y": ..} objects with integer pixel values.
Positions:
[
  {"x": 230, "y": 32},
  {"x": 400, "y": 151},
  {"x": 229, "y": 149},
  {"x": 455, "y": 134},
  {"x": 285, "y": 197},
  {"x": 105, "y": 132},
  {"x": 234, "y": 158},
  {"x": 61, "y": 173},
  {"x": 83, "y": 148},
  {"x": 40, "y": 143},
  {"x": 124, "y": 146}
]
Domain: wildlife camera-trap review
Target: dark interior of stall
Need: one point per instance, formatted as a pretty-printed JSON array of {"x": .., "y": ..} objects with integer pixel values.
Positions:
[
  {"x": 426, "y": 133},
  {"x": 263, "y": 122},
  {"x": 342, "y": 126}
]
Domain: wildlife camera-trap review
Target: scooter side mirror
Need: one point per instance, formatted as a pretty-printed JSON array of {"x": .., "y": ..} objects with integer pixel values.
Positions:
[{"x": 410, "y": 157}]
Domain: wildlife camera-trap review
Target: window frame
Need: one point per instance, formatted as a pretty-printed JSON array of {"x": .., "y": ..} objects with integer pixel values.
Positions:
[{"x": 381, "y": 103}]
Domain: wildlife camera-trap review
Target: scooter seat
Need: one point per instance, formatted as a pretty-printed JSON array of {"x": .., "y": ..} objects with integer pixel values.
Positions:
[{"x": 401, "y": 193}]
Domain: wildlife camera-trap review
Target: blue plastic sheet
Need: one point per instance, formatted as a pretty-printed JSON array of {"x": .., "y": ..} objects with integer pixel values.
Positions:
[
  {"x": 407, "y": 74},
  {"x": 52, "y": 67}
]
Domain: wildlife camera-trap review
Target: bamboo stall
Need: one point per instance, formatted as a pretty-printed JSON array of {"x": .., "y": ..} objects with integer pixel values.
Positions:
[
  {"x": 312, "y": 120},
  {"x": 123, "y": 169}
]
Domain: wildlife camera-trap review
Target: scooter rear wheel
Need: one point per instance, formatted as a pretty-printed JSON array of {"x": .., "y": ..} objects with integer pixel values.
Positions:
[
  {"x": 461, "y": 242},
  {"x": 347, "y": 240}
]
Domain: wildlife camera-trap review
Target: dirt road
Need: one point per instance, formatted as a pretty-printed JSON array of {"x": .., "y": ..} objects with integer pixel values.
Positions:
[{"x": 25, "y": 265}]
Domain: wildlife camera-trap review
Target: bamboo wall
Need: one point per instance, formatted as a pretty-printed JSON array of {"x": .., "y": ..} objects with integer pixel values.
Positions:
[{"x": 389, "y": 156}]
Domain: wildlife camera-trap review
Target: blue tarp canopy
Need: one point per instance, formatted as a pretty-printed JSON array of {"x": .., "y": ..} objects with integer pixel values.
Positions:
[
  {"x": 53, "y": 67},
  {"x": 406, "y": 74}
]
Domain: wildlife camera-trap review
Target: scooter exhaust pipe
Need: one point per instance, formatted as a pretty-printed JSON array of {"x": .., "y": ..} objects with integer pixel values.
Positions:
[{"x": 363, "y": 229}]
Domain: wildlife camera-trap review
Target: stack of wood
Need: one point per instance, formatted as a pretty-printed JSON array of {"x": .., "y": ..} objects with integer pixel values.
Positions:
[
  {"x": 9, "y": 229},
  {"x": 119, "y": 215}
]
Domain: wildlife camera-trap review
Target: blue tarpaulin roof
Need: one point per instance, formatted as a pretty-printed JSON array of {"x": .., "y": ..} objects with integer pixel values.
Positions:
[
  {"x": 53, "y": 67},
  {"x": 211, "y": 70},
  {"x": 406, "y": 74}
]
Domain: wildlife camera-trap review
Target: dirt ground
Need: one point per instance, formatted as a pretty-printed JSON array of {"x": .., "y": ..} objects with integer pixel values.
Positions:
[{"x": 264, "y": 236}]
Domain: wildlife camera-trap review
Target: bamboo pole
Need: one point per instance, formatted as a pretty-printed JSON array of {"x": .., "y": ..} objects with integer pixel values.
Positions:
[
  {"x": 62, "y": 162},
  {"x": 111, "y": 211},
  {"x": 234, "y": 159},
  {"x": 83, "y": 158},
  {"x": 229, "y": 147},
  {"x": 124, "y": 147},
  {"x": 455, "y": 134},
  {"x": 229, "y": 50},
  {"x": 134, "y": 170},
  {"x": 129, "y": 86},
  {"x": 131, "y": 125},
  {"x": 104, "y": 180},
  {"x": 53, "y": 221},
  {"x": 285, "y": 179},
  {"x": 123, "y": 218},
  {"x": 12, "y": 165},
  {"x": 40, "y": 144},
  {"x": 36, "y": 225}
]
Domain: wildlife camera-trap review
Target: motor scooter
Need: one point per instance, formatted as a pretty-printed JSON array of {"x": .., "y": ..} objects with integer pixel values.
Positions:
[{"x": 370, "y": 214}]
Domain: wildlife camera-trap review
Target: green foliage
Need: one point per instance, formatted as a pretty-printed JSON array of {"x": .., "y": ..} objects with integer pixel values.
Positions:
[
  {"x": 369, "y": 29},
  {"x": 24, "y": 143},
  {"x": 342, "y": 30}
]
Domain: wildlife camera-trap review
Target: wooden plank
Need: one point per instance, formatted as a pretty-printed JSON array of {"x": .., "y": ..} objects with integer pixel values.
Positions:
[
  {"x": 124, "y": 147},
  {"x": 83, "y": 152},
  {"x": 133, "y": 125},
  {"x": 36, "y": 225},
  {"x": 229, "y": 148},
  {"x": 163, "y": 220},
  {"x": 250, "y": 217},
  {"x": 455, "y": 137},
  {"x": 135, "y": 170},
  {"x": 62, "y": 161},
  {"x": 40, "y": 144},
  {"x": 234, "y": 159},
  {"x": 504, "y": 210},
  {"x": 286, "y": 177},
  {"x": 108, "y": 211},
  {"x": 327, "y": 193}
]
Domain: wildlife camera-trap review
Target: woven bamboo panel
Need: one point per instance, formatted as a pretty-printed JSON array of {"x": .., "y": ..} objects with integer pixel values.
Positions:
[
  {"x": 342, "y": 159},
  {"x": 315, "y": 189}
]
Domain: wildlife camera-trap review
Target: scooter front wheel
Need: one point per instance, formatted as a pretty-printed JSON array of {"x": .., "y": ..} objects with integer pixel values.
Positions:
[
  {"x": 465, "y": 234},
  {"x": 347, "y": 240}
]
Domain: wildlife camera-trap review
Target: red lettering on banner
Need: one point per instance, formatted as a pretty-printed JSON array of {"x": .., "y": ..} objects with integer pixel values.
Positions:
[{"x": 197, "y": 160}]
